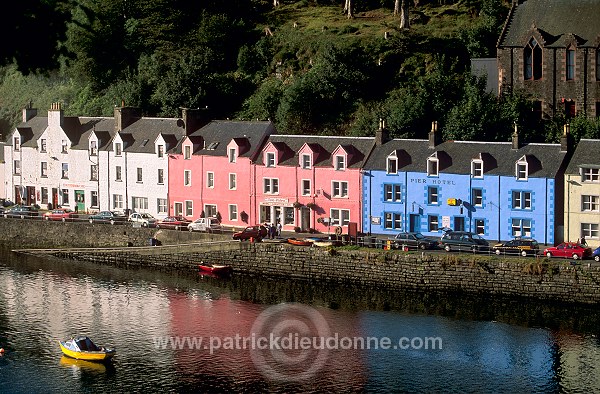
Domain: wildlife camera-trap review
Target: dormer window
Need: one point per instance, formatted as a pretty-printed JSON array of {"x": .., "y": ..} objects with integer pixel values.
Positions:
[
  {"x": 590, "y": 174},
  {"x": 232, "y": 155},
  {"x": 93, "y": 148},
  {"x": 305, "y": 161},
  {"x": 160, "y": 150},
  {"x": 17, "y": 144},
  {"x": 521, "y": 169},
  {"x": 270, "y": 159},
  {"x": 392, "y": 164},
  {"x": 433, "y": 165},
  {"x": 340, "y": 163},
  {"x": 187, "y": 152},
  {"x": 477, "y": 168},
  {"x": 118, "y": 149},
  {"x": 43, "y": 145},
  {"x": 64, "y": 145}
]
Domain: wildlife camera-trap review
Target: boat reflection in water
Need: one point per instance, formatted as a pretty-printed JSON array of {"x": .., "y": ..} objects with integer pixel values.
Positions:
[{"x": 83, "y": 366}]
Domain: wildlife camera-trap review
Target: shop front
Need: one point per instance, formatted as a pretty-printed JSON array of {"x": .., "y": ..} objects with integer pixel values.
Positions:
[{"x": 278, "y": 210}]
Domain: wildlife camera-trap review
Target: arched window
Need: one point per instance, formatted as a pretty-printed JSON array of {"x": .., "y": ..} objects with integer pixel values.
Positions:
[{"x": 533, "y": 61}]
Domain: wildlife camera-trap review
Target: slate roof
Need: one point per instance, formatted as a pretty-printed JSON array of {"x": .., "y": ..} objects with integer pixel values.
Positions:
[
  {"x": 139, "y": 137},
  {"x": 545, "y": 160},
  {"x": 555, "y": 19},
  {"x": 360, "y": 147},
  {"x": 217, "y": 134},
  {"x": 585, "y": 155}
]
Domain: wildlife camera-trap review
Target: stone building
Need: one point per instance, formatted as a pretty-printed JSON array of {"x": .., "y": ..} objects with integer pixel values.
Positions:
[{"x": 551, "y": 49}]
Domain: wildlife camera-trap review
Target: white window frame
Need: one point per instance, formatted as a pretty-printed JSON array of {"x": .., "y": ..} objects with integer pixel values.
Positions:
[
  {"x": 233, "y": 212},
  {"x": 43, "y": 145},
  {"x": 139, "y": 203},
  {"x": 44, "y": 169},
  {"x": 339, "y": 189},
  {"x": 433, "y": 166},
  {"x": 232, "y": 181},
  {"x": 477, "y": 169},
  {"x": 521, "y": 169},
  {"x": 118, "y": 149},
  {"x": 139, "y": 175},
  {"x": 270, "y": 159},
  {"x": 339, "y": 217},
  {"x": 160, "y": 150},
  {"x": 477, "y": 196},
  {"x": 590, "y": 203},
  {"x": 306, "y": 187},
  {"x": 433, "y": 195},
  {"x": 590, "y": 174},
  {"x": 118, "y": 174},
  {"x": 64, "y": 170},
  {"x": 117, "y": 201},
  {"x": 433, "y": 223},
  {"x": 340, "y": 162},
  {"x": 521, "y": 227},
  {"x": 480, "y": 226},
  {"x": 17, "y": 167},
  {"x": 64, "y": 146},
  {"x": 271, "y": 185},
  {"x": 522, "y": 200},
  {"x": 93, "y": 148},
  {"x": 160, "y": 176},
  {"x": 392, "y": 192},
  {"x": 17, "y": 144},
  {"x": 306, "y": 161},
  {"x": 187, "y": 152},
  {"x": 210, "y": 179},
  {"x": 212, "y": 207},
  {"x": 232, "y": 155},
  {"x": 589, "y": 230},
  {"x": 392, "y": 160},
  {"x": 189, "y": 208},
  {"x": 94, "y": 196},
  {"x": 162, "y": 205},
  {"x": 94, "y": 172},
  {"x": 187, "y": 178}
]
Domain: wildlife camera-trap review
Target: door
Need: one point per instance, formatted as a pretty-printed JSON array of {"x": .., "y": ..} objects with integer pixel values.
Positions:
[
  {"x": 459, "y": 223},
  {"x": 304, "y": 218},
  {"x": 415, "y": 223},
  {"x": 54, "y": 197},
  {"x": 178, "y": 208},
  {"x": 30, "y": 195},
  {"x": 79, "y": 201}
]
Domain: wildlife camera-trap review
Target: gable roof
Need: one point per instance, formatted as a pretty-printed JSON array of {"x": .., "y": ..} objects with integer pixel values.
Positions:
[
  {"x": 139, "y": 137},
  {"x": 554, "y": 20},
  {"x": 455, "y": 157},
  {"x": 585, "y": 155}
]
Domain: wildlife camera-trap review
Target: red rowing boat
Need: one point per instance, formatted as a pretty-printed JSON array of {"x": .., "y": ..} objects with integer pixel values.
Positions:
[
  {"x": 299, "y": 242},
  {"x": 215, "y": 269}
]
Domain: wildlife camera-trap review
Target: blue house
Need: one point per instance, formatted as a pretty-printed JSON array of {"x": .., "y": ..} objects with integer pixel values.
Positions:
[{"x": 499, "y": 190}]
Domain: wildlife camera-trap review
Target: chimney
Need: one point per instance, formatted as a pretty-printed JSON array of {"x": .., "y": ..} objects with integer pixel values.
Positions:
[
  {"x": 194, "y": 118},
  {"x": 564, "y": 140},
  {"x": 381, "y": 135},
  {"x": 125, "y": 116},
  {"x": 434, "y": 137},
  {"x": 55, "y": 115},
  {"x": 515, "y": 138},
  {"x": 29, "y": 112}
]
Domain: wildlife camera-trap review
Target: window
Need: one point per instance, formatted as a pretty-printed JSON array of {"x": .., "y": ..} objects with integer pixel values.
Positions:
[
  {"x": 189, "y": 208},
  {"x": 590, "y": 174},
  {"x": 187, "y": 178},
  {"x": 533, "y": 61},
  {"x": 64, "y": 146},
  {"x": 480, "y": 226},
  {"x": 44, "y": 169},
  {"x": 118, "y": 149},
  {"x": 392, "y": 165},
  {"x": 432, "y": 195},
  {"x": 392, "y": 193},
  {"x": 589, "y": 230},
  {"x": 340, "y": 163},
  {"x": 233, "y": 215},
  {"x": 288, "y": 215},
  {"x": 118, "y": 173},
  {"x": 569, "y": 109},
  {"x": 161, "y": 176},
  {"x": 187, "y": 152},
  {"x": 210, "y": 179},
  {"x": 94, "y": 172},
  {"x": 93, "y": 148},
  {"x": 521, "y": 199},
  {"x": 161, "y": 151},
  {"x": 232, "y": 181},
  {"x": 139, "y": 203},
  {"x": 17, "y": 144},
  {"x": 232, "y": 155},
  {"x": 477, "y": 197},
  {"x": 17, "y": 167},
  {"x": 340, "y": 217},
  {"x": 43, "y": 145},
  {"x": 392, "y": 221},
  {"x": 139, "y": 178},
  {"x": 570, "y": 63},
  {"x": 65, "y": 170},
  {"x": 590, "y": 203},
  {"x": 117, "y": 201},
  {"x": 477, "y": 168},
  {"x": 65, "y": 196},
  {"x": 521, "y": 169},
  {"x": 94, "y": 196},
  {"x": 271, "y": 186},
  {"x": 306, "y": 187},
  {"x": 432, "y": 166},
  {"x": 44, "y": 195},
  {"x": 432, "y": 223},
  {"x": 270, "y": 159},
  {"x": 210, "y": 210},
  {"x": 339, "y": 189},
  {"x": 306, "y": 161},
  {"x": 521, "y": 227},
  {"x": 161, "y": 203}
]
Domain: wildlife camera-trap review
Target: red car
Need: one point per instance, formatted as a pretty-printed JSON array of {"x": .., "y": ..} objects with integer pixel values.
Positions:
[
  {"x": 63, "y": 214},
  {"x": 256, "y": 232},
  {"x": 570, "y": 250},
  {"x": 174, "y": 222}
]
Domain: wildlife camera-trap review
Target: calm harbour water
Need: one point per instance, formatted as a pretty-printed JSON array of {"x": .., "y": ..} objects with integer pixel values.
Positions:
[{"x": 488, "y": 346}]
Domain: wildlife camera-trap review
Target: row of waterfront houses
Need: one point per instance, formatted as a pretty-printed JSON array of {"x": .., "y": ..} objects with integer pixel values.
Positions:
[{"x": 245, "y": 173}]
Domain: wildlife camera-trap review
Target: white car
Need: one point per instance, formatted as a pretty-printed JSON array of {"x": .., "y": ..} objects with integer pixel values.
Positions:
[
  {"x": 145, "y": 219},
  {"x": 210, "y": 225}
]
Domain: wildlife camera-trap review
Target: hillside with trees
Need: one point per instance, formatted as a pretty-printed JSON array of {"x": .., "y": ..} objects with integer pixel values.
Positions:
[{"x": 311, "y": 66}]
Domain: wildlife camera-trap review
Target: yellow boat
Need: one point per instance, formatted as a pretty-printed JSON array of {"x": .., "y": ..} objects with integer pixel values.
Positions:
[{"x": 82, "y": 348}]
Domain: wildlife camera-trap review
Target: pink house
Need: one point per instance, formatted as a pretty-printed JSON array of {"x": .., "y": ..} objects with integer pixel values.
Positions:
[
  {"x": 311, "y": 182},
  {"x": 212, "y": 175}
]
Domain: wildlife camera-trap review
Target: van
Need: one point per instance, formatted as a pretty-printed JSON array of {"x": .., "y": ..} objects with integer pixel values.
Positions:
[
  {"x": 462, "y": 240},
  {"x": 209, "y": 225}
]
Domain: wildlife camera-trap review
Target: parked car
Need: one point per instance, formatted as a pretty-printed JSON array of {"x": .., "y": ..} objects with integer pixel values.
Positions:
[
  {"x": 414, "y": 240},
  {"x": 596, "y": 254},
  {"x": 256, "y": 232},
  {"x": 568, "y": 250},
  {"x": 463, "y": 240},
  {"x": 63, "y": 214},
  {"x": 173, "y": 222},
  {"x": 209, "y": 225},
  {"x": 21, "y": 211},
  {"x": 108, "y": 217},
  {"x": 522, "y": 246},
  {"x": 145, "y": 219}
]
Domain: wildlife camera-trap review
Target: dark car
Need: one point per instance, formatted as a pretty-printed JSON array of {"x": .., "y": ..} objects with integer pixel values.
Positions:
[
  {"x": 568, "y": 250},
  {"x": 174, "y": 222},
  {"x": 596, "y": 254},
  {"x": 414, "y": 240},
  {"x": 20, "y": 211},
  {"x": 522, "y": 246},
  {"x": 108, "y": 217},
  {"x": 463, "y": 240},
  {"x": 256, "y": 232}
]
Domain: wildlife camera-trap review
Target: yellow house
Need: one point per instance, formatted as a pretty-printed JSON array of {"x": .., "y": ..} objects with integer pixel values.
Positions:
[{"x": 582, "y": 193}]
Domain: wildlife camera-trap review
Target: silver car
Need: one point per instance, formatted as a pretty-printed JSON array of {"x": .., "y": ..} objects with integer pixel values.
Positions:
[{"x": 145, "y": 219}]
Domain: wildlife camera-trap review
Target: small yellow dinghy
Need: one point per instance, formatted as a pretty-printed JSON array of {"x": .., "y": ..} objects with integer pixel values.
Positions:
[{"x": 82, "y": 348}]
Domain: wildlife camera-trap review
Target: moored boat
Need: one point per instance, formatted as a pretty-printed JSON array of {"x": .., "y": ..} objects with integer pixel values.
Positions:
[
  {"x": 215, "y": 269},
  {"x": 299, "y": 242},
  {"x": 82, "y": 348}
]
